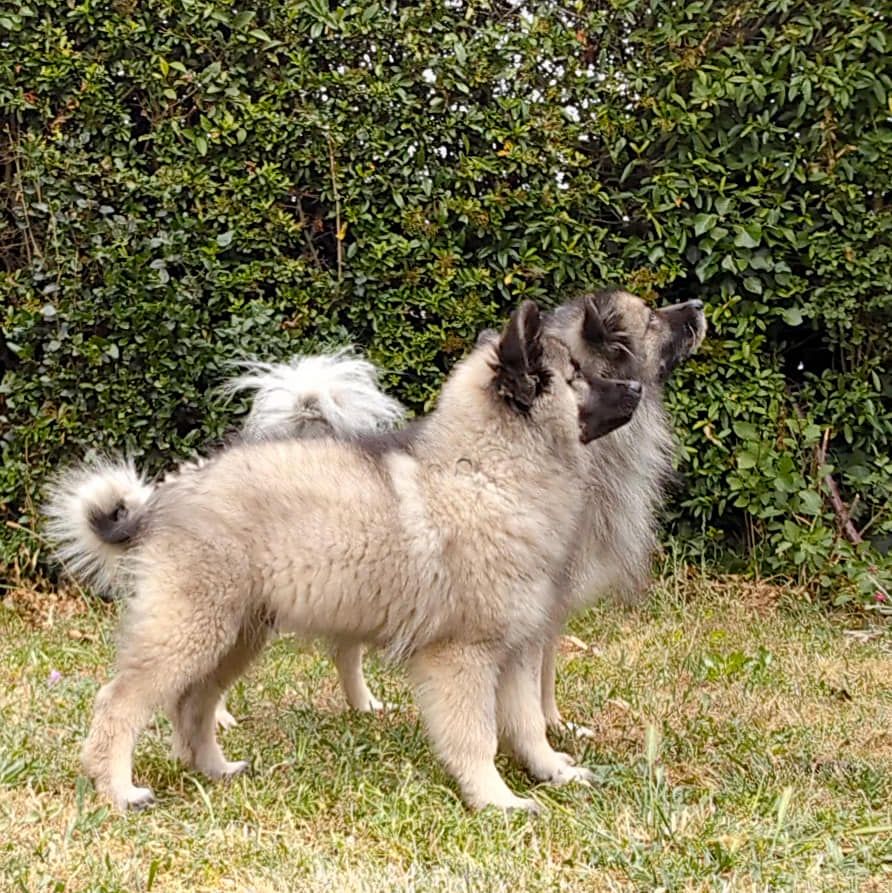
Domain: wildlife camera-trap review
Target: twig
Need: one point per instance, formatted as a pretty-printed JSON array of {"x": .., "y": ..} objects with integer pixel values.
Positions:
[
  {"x": 842, "y": 512},
  {"x": 31, "y": 247},
  {"x": 307, "y": 233},
  {"x": 339, "y": 236}
]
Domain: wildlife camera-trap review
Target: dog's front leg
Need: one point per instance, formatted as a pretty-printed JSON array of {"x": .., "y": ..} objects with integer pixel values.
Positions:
[
  {"x": 522, "y": 721},
  {"x": 455, "y": 686}
]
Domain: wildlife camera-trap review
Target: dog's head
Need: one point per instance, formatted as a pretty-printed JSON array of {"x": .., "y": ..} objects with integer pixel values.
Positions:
[
  {"x": 531, "y": 380},
  {"x": 617, "y": 335}
]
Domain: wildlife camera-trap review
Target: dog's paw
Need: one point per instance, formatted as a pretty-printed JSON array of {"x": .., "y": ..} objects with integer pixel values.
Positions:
[
  {"x": 524, "y": 804},
  {"x": 224, "y": 719},
  {"x": 370, "y": 704},
  {"x": 579, "y": 731},
  {"x": 235, "y": 768},
  {"x": 571, "y": 775},
  {"x": 135, "y": 798},
  {"x": 511, "y": 804},
  {"x": 505, "y": 800},
  {"x": 565, "y": 727}
]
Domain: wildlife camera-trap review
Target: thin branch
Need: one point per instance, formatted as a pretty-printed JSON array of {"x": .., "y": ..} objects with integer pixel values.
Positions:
[
  {"x": 339, "y": 235},
  {"x": 32, "y": 249},
  {"x": 842, "y": 511},
  {"x": 307, "y": 233}
]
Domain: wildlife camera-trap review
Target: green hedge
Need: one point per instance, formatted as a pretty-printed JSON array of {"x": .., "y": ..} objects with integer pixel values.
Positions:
[{"x": 185, "y": 183}]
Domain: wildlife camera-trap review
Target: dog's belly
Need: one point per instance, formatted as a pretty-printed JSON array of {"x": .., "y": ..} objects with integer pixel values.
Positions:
[{"x": 399, "y": 608}]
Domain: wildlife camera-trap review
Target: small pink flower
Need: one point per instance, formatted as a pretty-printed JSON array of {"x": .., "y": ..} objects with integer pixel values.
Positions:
[
  {"x": 54, "y": 677},
  {"x": 880, "y": 596}
]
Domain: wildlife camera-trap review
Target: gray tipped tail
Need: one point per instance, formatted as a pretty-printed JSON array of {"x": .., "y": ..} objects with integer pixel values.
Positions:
[
  {"x": 323, "y": 395},
  {"x": 94, "y": 512}
]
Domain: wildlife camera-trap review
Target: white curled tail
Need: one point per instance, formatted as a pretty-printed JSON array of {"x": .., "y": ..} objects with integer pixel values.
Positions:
[
  {"x": 327, "y": 394},
  {"x": 94, "y": 512}
]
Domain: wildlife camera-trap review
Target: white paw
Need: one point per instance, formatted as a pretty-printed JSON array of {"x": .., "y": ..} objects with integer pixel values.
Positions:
[
  {"x": 523, "y": 804},
  {"x": 370, "y": 704},
  {"x": 513, "y": 804},
  {"x": 135, "y": 798},
  {"x": 571, "y": 774},
  {"x": 506, "y": 801},
  {"x": 557, "y": 724},
  {"x": 238, "y": 767},
  {"x": 579, "y": 731},
  {"x": 224, "y": 718}
]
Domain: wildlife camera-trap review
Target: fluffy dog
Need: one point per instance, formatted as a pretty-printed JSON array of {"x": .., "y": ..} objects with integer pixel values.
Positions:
[{"x": 324, "y": 395}]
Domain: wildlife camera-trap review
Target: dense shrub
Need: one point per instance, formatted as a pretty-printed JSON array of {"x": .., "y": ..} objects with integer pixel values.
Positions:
[{"x": 186, "y": 182}]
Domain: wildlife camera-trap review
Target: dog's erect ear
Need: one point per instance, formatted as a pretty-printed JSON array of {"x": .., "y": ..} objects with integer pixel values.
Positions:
[
  {"x": 594, "y": 328},
  {"x": 602, "y": 326},
  {"x": 521, "y": 374}
]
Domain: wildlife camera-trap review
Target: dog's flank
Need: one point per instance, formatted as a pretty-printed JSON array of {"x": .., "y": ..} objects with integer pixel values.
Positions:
[{"x": 444, "y": 556}]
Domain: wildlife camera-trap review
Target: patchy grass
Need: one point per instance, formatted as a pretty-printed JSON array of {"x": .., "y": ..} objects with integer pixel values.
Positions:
[{"x": 743, "y": 743}]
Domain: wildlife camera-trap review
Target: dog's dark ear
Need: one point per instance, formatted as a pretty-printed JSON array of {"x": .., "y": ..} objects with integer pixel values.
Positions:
[
  {"x": 594, "y": 327},
  {"x": 521, "y": 374}
]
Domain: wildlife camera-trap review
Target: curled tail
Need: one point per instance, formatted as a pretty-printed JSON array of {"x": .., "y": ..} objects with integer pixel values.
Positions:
[
  {"x": 94, "y": 511},
  {"x": 322, "y": 395}
]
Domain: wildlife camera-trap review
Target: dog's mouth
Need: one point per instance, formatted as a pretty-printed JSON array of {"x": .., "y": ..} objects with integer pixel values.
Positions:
[
  {"x": 610, "y": 405},
  {"x": 696, "y": 331}
]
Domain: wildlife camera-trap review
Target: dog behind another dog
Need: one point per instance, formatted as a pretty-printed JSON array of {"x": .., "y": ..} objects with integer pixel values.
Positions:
[
  {"x": 442, "y": 549},
  {"x": 618, "y": 335}
]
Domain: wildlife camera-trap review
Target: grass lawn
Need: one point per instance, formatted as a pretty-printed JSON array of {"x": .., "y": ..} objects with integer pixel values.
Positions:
[{"x": 743, "y": 743}]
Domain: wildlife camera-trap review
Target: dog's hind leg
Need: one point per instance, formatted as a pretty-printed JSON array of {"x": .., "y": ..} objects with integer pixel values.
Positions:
[
  {"x": 194, "y": 714},
  {"x": 222, "y": 716},
  {"x": 172, "y": 636},
  {"x": 455, "y": 686},
  {"x": 151, "y": 673},
  {"x": 522, "y": 722},
  {"x": 347, "y": 657},
  {"x": 122, "y": 708}
]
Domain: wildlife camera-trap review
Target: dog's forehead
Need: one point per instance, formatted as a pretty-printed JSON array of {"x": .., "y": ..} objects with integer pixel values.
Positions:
[
  {"x": 630, "y": 307},
  {"x": 555, "y": 348}
]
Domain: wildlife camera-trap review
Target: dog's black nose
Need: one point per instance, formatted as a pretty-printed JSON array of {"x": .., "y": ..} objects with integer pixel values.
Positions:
[
  {"x": 634, "y": 387},
  {"x": 697, "y": 304}
]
